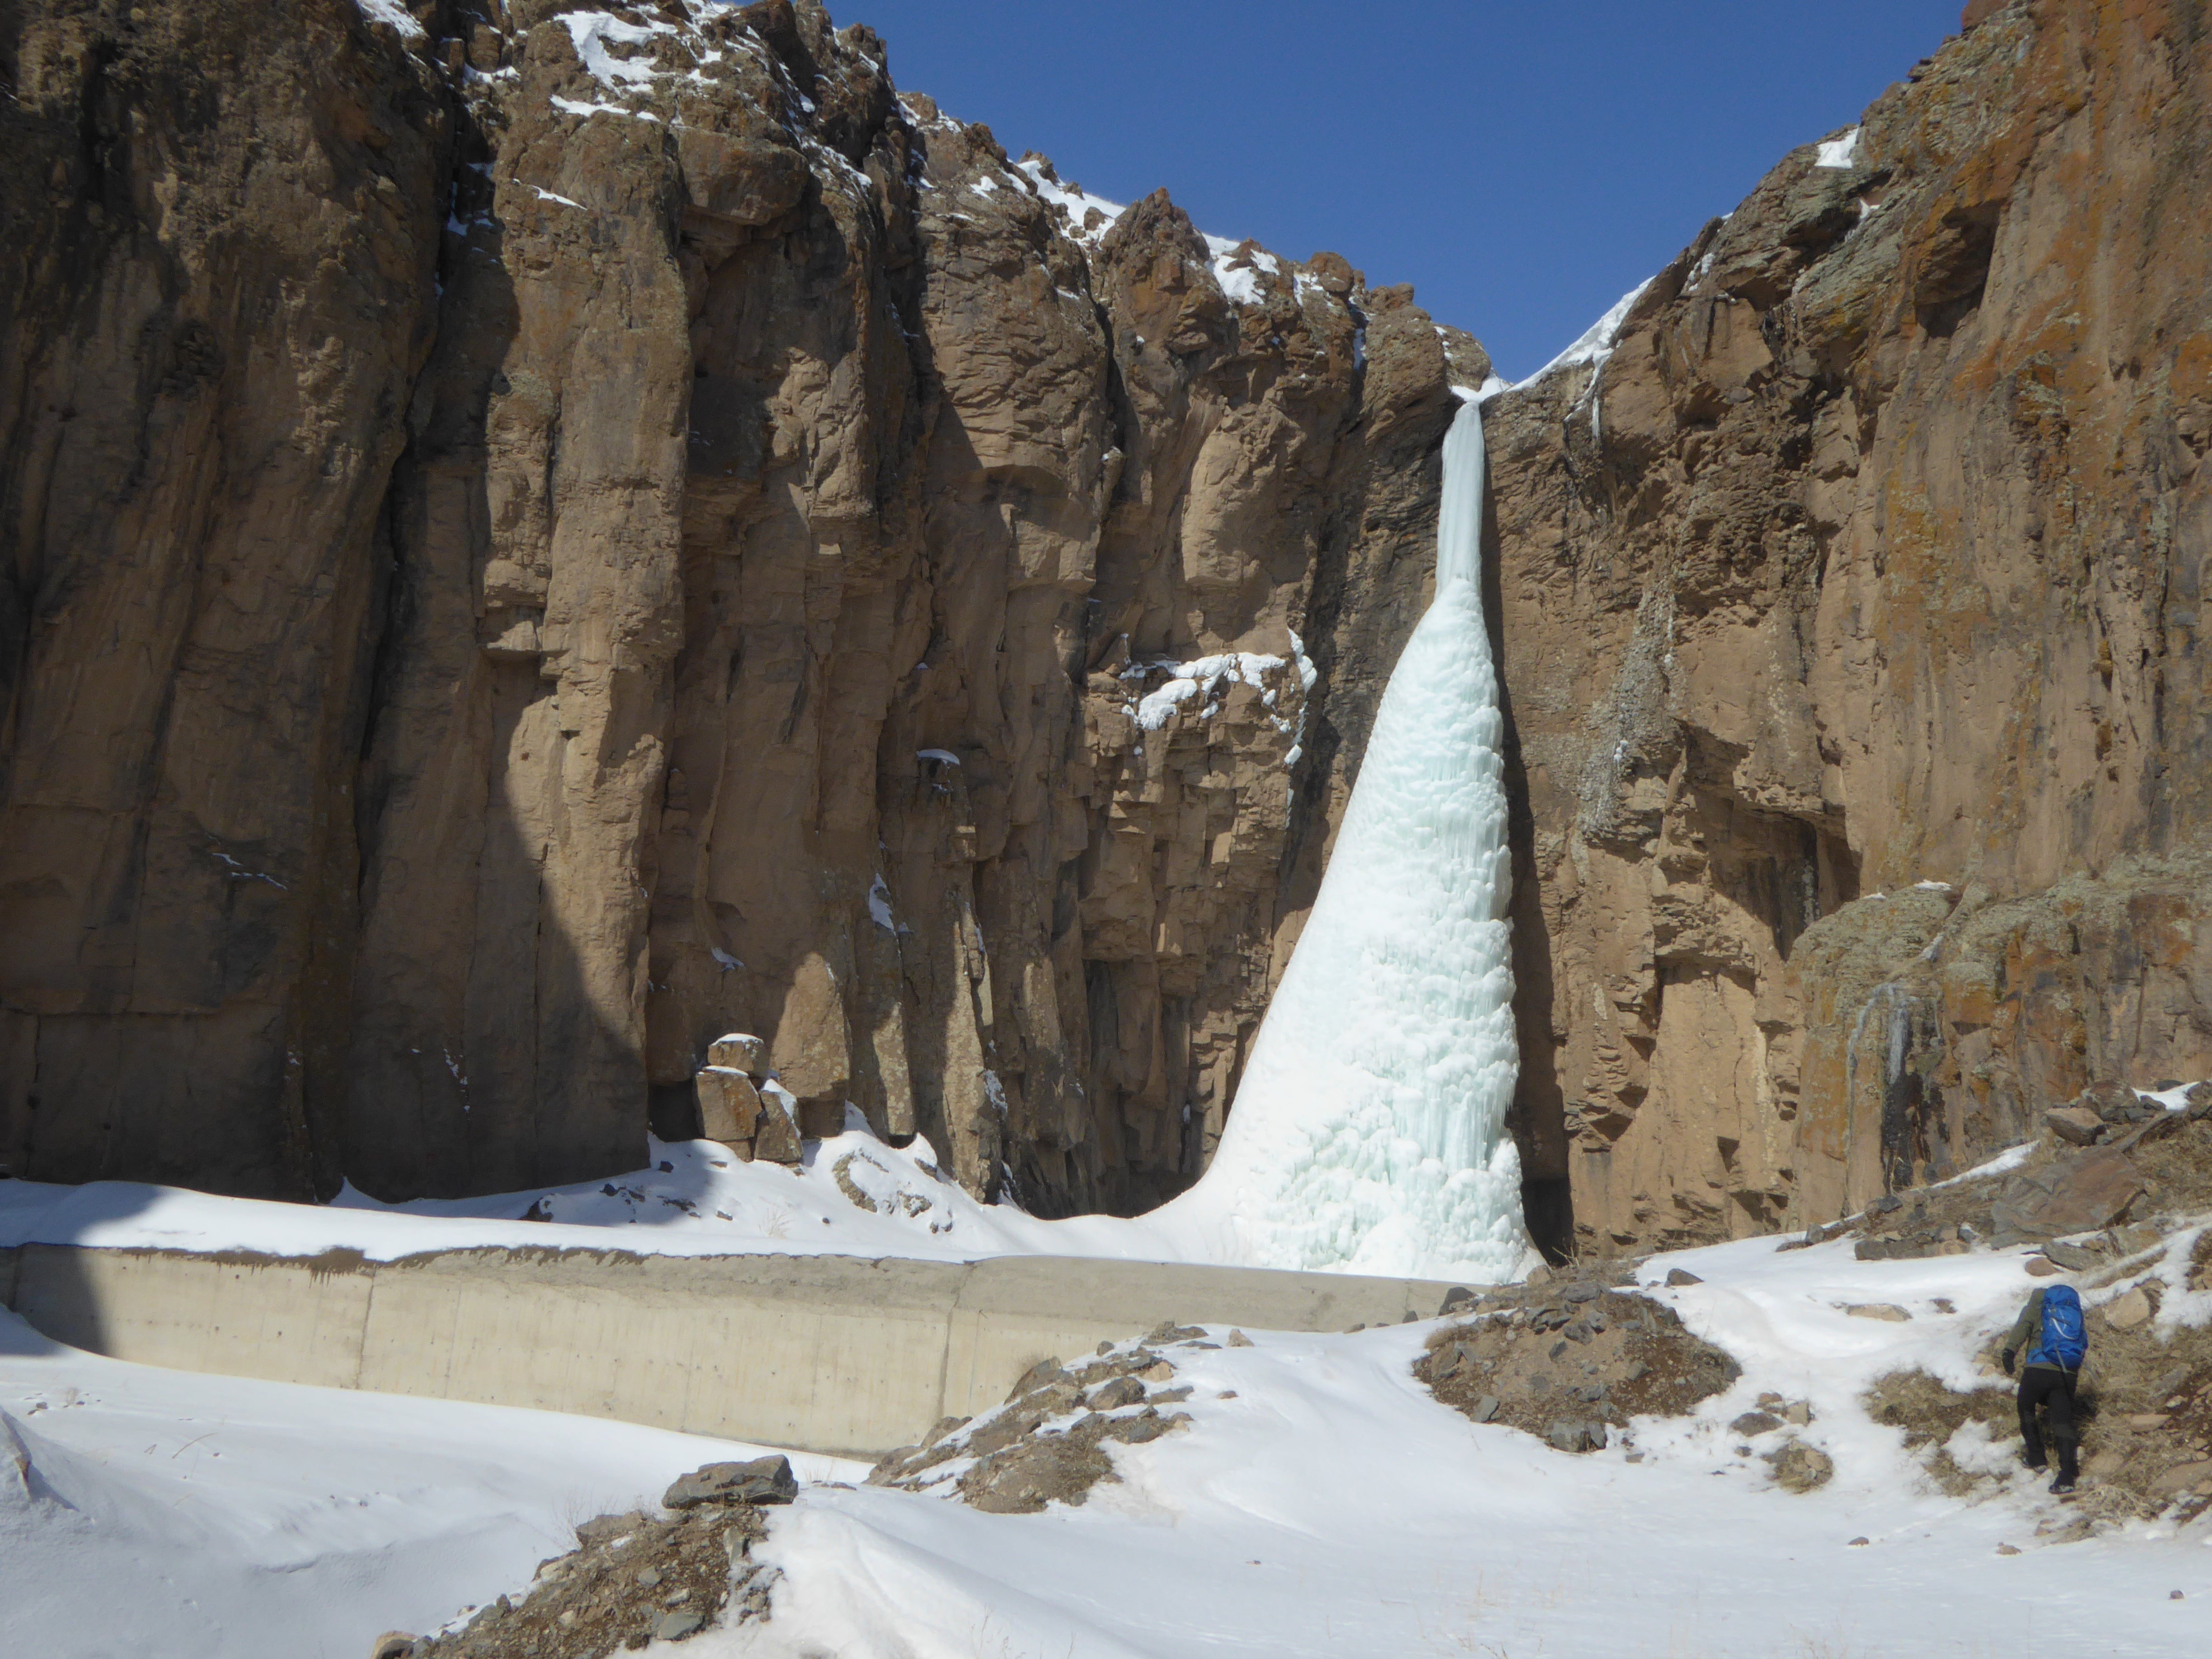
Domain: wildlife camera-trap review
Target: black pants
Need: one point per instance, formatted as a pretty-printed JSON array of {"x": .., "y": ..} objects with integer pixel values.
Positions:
[{"x": 2052, "y": 1390}]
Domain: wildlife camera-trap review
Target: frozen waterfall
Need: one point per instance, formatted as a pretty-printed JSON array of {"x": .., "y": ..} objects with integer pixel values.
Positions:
[{"x": 1369, "y": 1131}]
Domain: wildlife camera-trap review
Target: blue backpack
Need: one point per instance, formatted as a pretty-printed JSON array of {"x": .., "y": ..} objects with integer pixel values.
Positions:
[{"x": 2065, "y": 1341}]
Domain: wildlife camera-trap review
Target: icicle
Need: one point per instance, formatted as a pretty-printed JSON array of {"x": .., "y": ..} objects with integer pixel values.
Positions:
[{"x": 1369, "y": 1131}]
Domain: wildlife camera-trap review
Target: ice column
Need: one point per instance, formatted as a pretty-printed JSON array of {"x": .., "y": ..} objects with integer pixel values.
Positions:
[{"x": 1369, "y": 1131}]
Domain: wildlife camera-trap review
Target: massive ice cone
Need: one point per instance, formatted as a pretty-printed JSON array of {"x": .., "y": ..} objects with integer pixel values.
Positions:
[{"x": 1369, "y": 1131}]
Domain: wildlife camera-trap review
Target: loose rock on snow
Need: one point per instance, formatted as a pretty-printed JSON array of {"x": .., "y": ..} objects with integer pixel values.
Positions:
[
  {"x": 634, "y": 1579},
  {"x": 1047, "y": 1444},
  {"x": 1564, "y": 1365}
]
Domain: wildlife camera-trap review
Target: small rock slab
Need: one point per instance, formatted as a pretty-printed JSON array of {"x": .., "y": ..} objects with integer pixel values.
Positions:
[
  {"x": 729, "y": 1107},
  {"x": 2075, "y": 1125},
  {"x": 2082, "y": 1193},
  {"x": 1568, "y": 1435},
  {"x": 1799, "y": 1468},
  {"x": 763, "y": 1481},
  {"x": 2129, "y": 1310},
  {"x": 740, "y": 1053},
  {"x": 1889, "y": 1311},
  {"x": 1682, "y": 1276},
  {"x": 2187, "y": 1478},
  {"x": 776, "y": 1139}
]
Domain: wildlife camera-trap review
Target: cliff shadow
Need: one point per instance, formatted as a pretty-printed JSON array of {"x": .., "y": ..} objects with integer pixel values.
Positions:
[{"x": 1538, "y": 1116}]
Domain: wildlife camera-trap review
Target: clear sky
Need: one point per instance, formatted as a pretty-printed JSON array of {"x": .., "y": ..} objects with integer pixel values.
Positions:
[{"x": 1522, "y": 162}]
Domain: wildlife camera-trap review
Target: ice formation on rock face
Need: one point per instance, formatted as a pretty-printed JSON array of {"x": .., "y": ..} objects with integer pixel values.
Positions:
[{"x": 1369, "y": 1131}]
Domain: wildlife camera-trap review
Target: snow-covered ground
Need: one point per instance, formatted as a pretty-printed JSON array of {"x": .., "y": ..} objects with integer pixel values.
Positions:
[
  {"x": 1321, "y": 1503},
  {"x": 164, "y": 1514},
  {"x": 693, "y": 1198}
]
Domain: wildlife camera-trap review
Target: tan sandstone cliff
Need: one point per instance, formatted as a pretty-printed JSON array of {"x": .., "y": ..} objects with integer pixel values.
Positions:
[
  {"x": 539, "y": 539},
  {"x": 536, "y": 538},
  {"x": 1877, "y": 821}
]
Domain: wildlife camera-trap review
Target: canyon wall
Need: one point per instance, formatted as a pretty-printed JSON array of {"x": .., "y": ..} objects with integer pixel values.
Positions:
[
  {"x": 1875, "y": 823},
  {"x": 534, "y": 538},
  {"x": 538, "y": 539}
]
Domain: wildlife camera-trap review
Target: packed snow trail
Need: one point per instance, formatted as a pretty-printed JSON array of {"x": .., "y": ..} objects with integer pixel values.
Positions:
[{"x": 1369, "y": 1131}]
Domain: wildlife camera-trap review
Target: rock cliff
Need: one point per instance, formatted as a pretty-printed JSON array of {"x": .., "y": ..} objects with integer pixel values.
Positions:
[
  {"x": 539, "y": 538},
  {"x": 1875, "y": 822},
  {"x": 536, "y": 538}
]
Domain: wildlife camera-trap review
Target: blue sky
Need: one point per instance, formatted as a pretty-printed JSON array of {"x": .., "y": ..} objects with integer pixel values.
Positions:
[{"x": 1522, "y": 163}]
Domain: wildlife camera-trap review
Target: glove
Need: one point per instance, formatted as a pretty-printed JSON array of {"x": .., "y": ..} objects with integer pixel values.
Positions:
[{"x": 2006, "y": 1356}]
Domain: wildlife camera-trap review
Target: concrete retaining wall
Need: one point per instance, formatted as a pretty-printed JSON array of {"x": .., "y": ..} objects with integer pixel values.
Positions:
[{"x": 819, "y": 1353}]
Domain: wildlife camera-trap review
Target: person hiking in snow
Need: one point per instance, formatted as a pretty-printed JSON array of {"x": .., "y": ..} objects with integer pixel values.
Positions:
[{"x": 2053, "y": 1320}]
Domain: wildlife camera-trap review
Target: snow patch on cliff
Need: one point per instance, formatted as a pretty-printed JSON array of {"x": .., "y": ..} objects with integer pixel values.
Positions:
[
  {"x": 1595, "y": 344},
  {"x": 1838, "y": 154},
  {"x": 392, "y": 12},
  {"x": 1072, "y": 199}
]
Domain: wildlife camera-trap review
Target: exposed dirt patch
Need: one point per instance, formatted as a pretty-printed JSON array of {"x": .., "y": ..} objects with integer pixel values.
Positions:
[
  {"x": 632, "y": 1579},
  {"x": 2178, "y": 1165},
  {"x": 1564, "y": 1362},
  {"x": 1047, "y": 1444},
  {"x": 1930, "y": 1412},
  {"x": 2144, "y": 1405}
]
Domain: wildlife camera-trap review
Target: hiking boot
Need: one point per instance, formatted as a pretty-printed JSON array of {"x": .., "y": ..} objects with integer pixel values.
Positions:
[
  {"x": 2035, "y": 1464},
  {"x": 2062, "y": 1485}
]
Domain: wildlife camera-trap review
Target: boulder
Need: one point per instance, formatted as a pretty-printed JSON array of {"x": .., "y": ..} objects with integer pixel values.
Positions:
[
  {"x": 2075, "y": 1125},
  {"x": 1568, "y": 1434},
  {"x": 1042, "y": 1374},
  {"x": 1147, "y": 1424},
  {"x": 2127, "y": 1312},
  {"x": 2074, "y": 1258},
  {"x": 739, "y": 1052},
  {"x": 1114, "y": 1393},
  {"x": 1678, "y": 1276},
  {"x": 729, "y": 1107},
  {"x": 1168, "y": 1331},
  {"x": 776, "y": 1140},
  {"x": 1800, "y": 1468},
  {"x": 763, "y": 1481},
  {"x": 392, "y": 1645},
  {"x": 2079, "y": 1194},
  {"x": 2134, "y": 1237},
  {"x": 2111, "y": 1103},
  {"x": 1752, "y": 1423},
  {"x": 605, "y": 1529}
]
